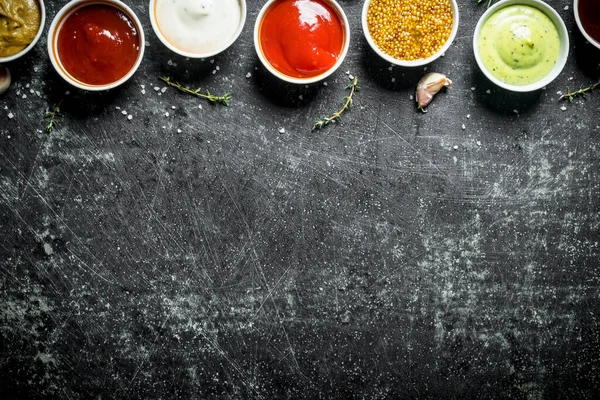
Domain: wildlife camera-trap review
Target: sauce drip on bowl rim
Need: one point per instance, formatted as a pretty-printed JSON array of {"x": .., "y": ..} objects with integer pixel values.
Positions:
[
  {"x": 301, "y": 38},
  {"x": 98, "y": 44}
]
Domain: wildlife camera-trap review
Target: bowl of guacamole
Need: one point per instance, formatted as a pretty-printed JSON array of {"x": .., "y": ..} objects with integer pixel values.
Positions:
[
  {"x": 21, "y": 25},
  {"x": 521, "y": 45}
]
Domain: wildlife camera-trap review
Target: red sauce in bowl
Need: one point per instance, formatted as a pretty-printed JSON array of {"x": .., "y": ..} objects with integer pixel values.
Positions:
[
  {"x": 589, "y": 15},
  {"x": 98, "y": 44},
  {"x": 301, "y": 38}
]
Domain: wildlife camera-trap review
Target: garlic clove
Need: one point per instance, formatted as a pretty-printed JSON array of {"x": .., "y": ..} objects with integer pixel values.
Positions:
[
  {"x": 4, "y": 79},
  {"x": 428, "y": 86}
]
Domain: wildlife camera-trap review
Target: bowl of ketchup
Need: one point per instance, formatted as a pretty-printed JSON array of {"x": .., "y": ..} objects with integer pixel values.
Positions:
[
  {"x": 301, "y": 41},
  {"x": 96, "y": 44}
]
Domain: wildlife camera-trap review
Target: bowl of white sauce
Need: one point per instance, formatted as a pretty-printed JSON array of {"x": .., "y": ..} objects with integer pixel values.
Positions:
[{"x": 197, "y": 28}]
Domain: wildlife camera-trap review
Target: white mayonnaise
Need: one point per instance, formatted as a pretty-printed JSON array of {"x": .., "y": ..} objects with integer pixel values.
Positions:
[{"x": 198, "y": 26}]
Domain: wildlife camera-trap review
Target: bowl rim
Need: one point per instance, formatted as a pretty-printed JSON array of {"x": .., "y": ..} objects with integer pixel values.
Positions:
[
  {"x": 313, "y": 79},
  {"x": 165, "y": 41},
  {"x": 587, "y": 36},
  {"x": 562, "y": 34},
  {"x": 58, "y": 22},
  {"x": 414, "y": 63},
  {"x": 35, "y": 39}
]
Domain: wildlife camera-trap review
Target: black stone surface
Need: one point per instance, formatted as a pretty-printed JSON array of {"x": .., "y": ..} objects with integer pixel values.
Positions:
[{"x": 204, "y": 254}]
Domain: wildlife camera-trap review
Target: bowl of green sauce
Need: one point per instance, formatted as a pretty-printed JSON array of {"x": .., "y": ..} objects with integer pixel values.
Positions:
[
  {"x": 521, "y": 45},
  {"x": 21, "y": 25}
]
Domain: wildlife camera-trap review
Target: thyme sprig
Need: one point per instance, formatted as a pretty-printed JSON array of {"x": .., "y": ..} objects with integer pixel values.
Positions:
[
  {"x": 581, "y": 92},
  {"x": 198, "y": 92},
  {"x": 53, "y": 116},
  {"x": 349, "y": 99},
  {"x": 489, "y": 3}
]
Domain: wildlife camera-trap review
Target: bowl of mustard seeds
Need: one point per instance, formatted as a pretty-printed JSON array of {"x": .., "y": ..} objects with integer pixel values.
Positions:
[{"x": 410, "y": 33}]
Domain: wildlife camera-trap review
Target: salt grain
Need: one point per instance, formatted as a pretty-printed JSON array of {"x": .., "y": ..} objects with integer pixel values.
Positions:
[
  {"x": 281, "y": 129},
  {"x": 130, "y": 117},
  {"x": 248, "y": 75}
]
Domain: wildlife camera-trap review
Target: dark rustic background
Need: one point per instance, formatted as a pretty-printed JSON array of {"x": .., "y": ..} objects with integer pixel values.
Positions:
[{"x": 198, "y": 251}]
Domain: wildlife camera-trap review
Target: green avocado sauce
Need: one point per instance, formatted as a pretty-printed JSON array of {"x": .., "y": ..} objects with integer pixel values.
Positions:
[{"x": 519, "y": 45}]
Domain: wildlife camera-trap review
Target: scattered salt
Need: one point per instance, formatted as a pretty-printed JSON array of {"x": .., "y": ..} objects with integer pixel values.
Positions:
[
  {"x": 281, "y": 129},
  {"x": 464, "y": 127},
  {"x": 130, "y": 117},
  {"x": 248, "y": 75},
  {"x": 11, "y": 115},
  {"x": 163, "y": 89},
  {"x": 124, "y": 112}
]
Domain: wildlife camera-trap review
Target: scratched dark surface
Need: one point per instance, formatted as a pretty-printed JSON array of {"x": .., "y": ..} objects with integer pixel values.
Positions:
[{"x": 198, "y": 251}]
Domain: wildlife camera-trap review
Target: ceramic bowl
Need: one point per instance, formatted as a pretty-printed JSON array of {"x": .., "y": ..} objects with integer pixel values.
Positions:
[
  {"x": 562, "y": 36},
  {"x": 308, "y": 80},
  {"x": 408, "y": 63},
  {"x": 35, "y": 39},
  {"x": 594, "y": 42},
  {"x": 154, "y": 21},
  {"x": 57, "y": 25}
]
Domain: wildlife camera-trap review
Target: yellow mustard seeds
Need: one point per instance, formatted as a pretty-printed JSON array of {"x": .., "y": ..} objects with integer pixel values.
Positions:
[{"x": 410, "y": 30}]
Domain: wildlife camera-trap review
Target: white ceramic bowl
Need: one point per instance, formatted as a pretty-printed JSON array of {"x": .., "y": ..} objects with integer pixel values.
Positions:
[
  {"x": 562, "y": 35},
  {"x": 58, "y": 23},
  {"x": 340, "y": 12},
  {"x": 35, "y": 39},
  {"x": 172, "y": 47},
  {"x": 586, "y": 35},
  {"x": 407, "y": 63}
]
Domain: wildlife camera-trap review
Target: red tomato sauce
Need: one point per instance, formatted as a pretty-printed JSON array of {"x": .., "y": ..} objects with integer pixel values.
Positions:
[
  {"x": 589, "y": 15},
  {"x": 98, "y": 44},
  {"x": 301, "y": 38}
]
